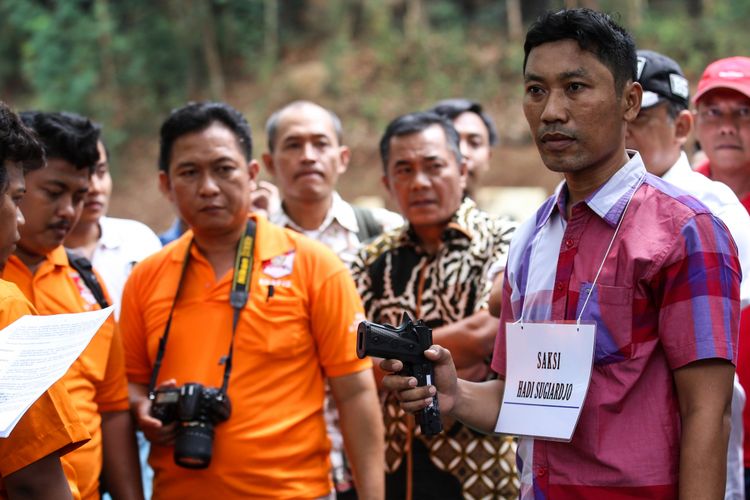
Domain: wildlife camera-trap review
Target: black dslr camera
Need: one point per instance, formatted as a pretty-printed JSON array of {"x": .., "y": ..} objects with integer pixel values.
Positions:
[
  {"x": 197, "y": 410},
  {"x": 406, "y": 343}
]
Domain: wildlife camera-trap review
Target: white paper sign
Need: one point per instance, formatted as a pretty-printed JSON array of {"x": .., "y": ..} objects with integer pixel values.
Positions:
[
  {"x": 547, "y": 377},
  {"x": 35, "y": 352}
]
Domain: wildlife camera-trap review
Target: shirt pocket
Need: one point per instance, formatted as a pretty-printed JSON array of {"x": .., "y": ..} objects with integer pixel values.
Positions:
[
  {"x": 611, "y": 308},
  {"x": 285, "y": 321}
]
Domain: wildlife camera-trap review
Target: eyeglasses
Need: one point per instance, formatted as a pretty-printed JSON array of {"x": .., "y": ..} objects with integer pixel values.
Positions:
[{"x": 714, "y": 115}]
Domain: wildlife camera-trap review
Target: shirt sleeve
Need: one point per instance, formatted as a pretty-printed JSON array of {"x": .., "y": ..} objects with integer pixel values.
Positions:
[
  {"x": 150, "y": 243},
  {"x": 50, "y": 425},
  {"x": 502, "y": 232},
  {"x": 336, "y": 311},
  {"x": 499, "y": 360},
  {"x": 362, "y": 280},
  {"x": 133, "y": 330},
  {"x": 698, "y": 289},
  {"x": 112, "y": 391},
  {"x": 388, "y": 220},
  {"x": 737, "y": 221}
]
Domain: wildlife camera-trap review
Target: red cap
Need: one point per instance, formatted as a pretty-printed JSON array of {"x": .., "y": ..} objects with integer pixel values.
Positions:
[{"x": 730, "y": 73}]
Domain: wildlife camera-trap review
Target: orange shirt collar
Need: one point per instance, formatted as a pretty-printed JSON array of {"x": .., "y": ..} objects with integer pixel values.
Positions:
[{"x": 56, "y": 257}]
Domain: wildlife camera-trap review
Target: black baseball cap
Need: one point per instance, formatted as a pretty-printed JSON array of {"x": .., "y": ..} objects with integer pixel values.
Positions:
[{"x": 661, "y": 79}]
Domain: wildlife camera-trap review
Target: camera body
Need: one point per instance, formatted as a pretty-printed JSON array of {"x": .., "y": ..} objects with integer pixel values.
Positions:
[
  {"x": 196, "y": 409},
  {"x": 406, "y": 343}
]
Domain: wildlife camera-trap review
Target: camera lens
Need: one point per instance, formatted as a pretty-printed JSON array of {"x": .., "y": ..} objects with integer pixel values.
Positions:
[{"x": 193, "y": 445}]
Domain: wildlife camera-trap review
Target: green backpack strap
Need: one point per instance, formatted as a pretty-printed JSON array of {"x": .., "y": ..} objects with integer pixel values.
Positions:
[{"x": 368, "y": 226}]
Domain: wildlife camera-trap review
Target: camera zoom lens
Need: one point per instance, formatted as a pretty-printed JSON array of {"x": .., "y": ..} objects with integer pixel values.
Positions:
[{"x": 193, "y": 446}]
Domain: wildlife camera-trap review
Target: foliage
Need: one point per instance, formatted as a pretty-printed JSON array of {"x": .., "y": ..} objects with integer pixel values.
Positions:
[
  {"x": 128, "y": 63},
  {"x": 695, "y": 42}
]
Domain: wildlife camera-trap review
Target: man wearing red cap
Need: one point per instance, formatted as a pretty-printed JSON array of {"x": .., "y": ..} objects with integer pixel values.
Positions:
[
  {"x": 722, "y": 105},
  {"x": 722, "y": 118}
]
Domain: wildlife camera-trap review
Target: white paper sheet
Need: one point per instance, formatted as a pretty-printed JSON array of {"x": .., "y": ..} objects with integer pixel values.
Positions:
[
  {"x": 547, "y": 378},
  {"x": 35, "y": 352}
]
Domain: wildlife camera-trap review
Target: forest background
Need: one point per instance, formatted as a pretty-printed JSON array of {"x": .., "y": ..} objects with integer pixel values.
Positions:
[{"x": 125, "y": 64}]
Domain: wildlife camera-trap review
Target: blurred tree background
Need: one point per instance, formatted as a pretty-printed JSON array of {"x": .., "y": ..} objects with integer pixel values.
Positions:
[{"x": 127, "y": 63}]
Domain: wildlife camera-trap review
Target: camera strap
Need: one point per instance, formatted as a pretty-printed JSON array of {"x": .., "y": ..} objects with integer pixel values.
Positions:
[{"x": 243, "y": 268}]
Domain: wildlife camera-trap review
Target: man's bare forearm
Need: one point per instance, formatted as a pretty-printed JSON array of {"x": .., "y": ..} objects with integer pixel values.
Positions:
[
  {"x": 121, "y": 466},
  {"x": 41, "y": 480},
  {"x": 361, "y": 423},
  {"x": 704, "y": 391},
  {"x": 703, "y": 464},
  {"x": 478, "y": 404}
]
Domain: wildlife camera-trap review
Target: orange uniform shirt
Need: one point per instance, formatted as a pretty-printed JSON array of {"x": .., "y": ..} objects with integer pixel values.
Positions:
[
  {"x": 51, "y": 424},
  {"x": 274, "y": 445},
  {"x": 96, "y": 380}
]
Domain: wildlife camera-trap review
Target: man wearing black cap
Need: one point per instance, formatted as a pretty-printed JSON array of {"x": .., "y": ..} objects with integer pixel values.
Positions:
[
  {"x": 659, "y": 133},
  {"x": 664, "y": 122}
]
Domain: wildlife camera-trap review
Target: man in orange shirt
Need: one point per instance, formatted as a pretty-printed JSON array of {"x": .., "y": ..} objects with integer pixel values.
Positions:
[
  {"x": 40, "y": 268},
  {"x": 296, "y": 327},
  {"x": 29, "y": 457}
]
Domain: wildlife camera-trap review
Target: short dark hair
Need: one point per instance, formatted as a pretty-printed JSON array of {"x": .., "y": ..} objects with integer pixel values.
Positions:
[
  {"x": 67, "y": 136},
  {"x": 413, "y": 123},
  {"x": 595, "y": 32},
  {"x": 272, "y": 124},
  {"x": 451, "y": 108},
  {"x": 18, "y": 144},
  {"x": 198, "y": 116},
  {"x": 674, "y": 108}
]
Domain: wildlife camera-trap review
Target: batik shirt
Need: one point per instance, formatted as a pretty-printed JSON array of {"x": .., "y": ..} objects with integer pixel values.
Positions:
[
  {"x": 394, "y": 274},
  {"x": 667, "y": 295}
]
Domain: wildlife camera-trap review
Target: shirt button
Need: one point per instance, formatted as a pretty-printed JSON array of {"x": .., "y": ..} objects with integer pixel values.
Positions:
[
  {"x": 559, "y": 286},
  {"x": 541, "y": 470},
  {"x": 569, "y": 243}
]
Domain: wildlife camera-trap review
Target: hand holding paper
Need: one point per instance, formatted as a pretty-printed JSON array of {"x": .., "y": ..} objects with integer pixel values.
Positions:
[{"x": 35, "y": 352}]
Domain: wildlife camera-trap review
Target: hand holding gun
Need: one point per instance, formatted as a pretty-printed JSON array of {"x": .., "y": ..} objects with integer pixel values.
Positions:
[{"x": 407, "y": 344}]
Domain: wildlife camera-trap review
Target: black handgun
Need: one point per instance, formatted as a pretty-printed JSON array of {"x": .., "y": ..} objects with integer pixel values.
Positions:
[{"x": 406, "y": 343}]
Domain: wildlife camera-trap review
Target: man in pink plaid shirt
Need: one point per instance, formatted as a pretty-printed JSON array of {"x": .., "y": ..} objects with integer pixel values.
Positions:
[{"x": 665, "y": 300}]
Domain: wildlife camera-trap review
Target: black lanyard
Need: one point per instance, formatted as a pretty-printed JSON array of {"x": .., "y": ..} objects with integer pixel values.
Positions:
[{"x": 243, "y": 269}]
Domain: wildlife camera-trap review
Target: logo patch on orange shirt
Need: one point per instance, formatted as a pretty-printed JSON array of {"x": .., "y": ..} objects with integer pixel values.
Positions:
[
  {"x": 83, "y": 290},
  {"x": 279, "y": 266}
]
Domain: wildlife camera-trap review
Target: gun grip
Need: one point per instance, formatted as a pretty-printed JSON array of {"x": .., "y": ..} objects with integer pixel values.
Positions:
[{"x": 429, "y": 418}]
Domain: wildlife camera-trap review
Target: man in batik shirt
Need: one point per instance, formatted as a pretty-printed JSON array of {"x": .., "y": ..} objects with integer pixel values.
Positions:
[{"x": 435, "y": 269}]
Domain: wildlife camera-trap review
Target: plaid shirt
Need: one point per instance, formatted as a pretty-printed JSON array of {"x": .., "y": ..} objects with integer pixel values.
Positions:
[{"x": 668, "y": 295}]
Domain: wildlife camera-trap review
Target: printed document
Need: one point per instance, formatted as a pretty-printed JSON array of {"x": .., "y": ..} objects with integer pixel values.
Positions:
[{"x": 35, "y": 352}]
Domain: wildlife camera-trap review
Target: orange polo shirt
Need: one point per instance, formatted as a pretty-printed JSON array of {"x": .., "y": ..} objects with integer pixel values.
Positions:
[
  {"x": 274, "y": 445},
  {"x": 96, "y": 380},
  {"x": 51, "y": 424}
]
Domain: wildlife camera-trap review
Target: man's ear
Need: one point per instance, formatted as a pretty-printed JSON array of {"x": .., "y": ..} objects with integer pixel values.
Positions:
[
  {"x": 631, "y": 100},
  {"x": 386, "y": 183},
  {"x": 253, "y": 168},
  {"x": 268, "y": 162},
  {"x": 683, "y": 126},
  {"x": 165, "y": 185},
  {"x": 463, "y": 170},
  {"x": 344, "y": 157}
]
